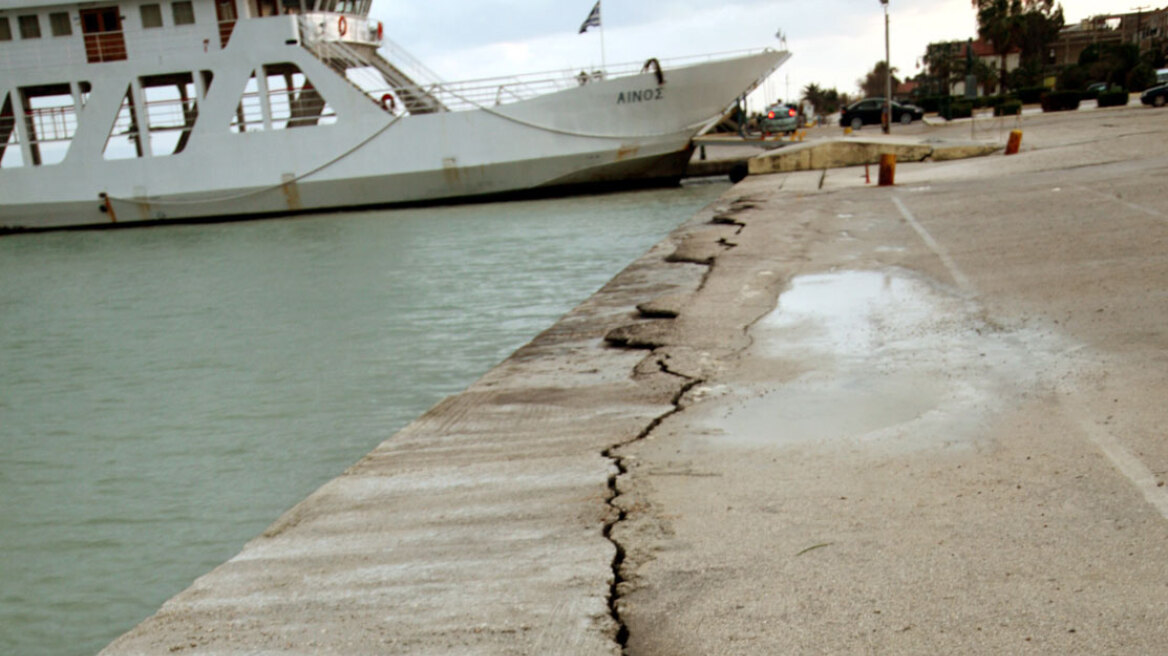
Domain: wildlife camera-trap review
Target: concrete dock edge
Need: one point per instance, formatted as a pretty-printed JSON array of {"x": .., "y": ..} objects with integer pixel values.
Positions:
[{"x": 970, "y": 459}]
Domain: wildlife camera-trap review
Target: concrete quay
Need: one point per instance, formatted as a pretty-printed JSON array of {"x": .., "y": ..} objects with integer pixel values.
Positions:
[{"x": 821, "y": 417}]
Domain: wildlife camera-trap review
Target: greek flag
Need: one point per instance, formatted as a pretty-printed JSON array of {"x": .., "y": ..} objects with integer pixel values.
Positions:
[{"x": 593, "y": 19}]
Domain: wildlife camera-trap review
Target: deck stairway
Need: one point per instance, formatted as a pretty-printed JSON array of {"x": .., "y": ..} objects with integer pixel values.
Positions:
[{"x": 357, "y": 62}]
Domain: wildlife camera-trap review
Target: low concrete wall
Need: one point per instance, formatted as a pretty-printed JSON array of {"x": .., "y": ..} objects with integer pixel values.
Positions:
[{"x": 851, "y": 152}]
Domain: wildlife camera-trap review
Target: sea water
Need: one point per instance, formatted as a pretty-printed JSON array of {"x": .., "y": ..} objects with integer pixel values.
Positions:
[{"x": 166, "y": 393}]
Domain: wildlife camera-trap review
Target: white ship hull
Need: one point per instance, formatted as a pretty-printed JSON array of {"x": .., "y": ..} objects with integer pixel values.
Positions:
[{"x": 617, "y": 129}]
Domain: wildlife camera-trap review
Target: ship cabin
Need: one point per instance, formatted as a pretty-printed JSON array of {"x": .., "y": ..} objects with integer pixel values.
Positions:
[
  {"x": 39, "y": 33},
  {"x": 54, "y": 54}
]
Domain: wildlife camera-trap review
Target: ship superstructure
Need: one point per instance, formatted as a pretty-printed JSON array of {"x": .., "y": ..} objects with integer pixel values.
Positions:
[{"x": 155, "y": 110}]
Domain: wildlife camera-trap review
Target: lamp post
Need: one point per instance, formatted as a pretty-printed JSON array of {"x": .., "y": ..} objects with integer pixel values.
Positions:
[{"x": 886, "y": 123}]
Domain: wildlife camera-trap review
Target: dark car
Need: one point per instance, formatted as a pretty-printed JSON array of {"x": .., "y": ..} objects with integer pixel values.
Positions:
[
  {"x": 868, "y": 111},
  {"x": 1156, "y": 96},
  {"x": 781, "y": 119},
  {"x": 1096, "y": 89}
]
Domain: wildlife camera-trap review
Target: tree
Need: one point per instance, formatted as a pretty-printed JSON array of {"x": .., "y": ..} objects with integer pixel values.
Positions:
[
  {"x": 825, "y": 101},
  {"x": 1038, "y": 28},
  {"x": 1156, "y": 56},
  {"x": 986, "y": 76},
  {"x": 833, "y": 101},
  {"x": 1110, "y": 62},
  {"x": 942, "y": 65},
  {"x": 1028, "y": 25},
  {"x": 813, "y": 94},
  {"x": 873, "y": 84}
]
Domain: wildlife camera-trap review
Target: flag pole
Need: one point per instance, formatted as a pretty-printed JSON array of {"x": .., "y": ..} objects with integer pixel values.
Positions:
[
  {"x": 594, "y": 20},
  {"x": 603, "y": 63}
]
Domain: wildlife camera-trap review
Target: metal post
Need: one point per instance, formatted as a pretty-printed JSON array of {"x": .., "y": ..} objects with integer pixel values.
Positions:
[
  {"x": 603, "y": 59},
  {"x": 887, "y": 122}
]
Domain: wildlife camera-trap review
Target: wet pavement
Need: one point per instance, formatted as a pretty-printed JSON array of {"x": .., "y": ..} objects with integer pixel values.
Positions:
[
  {"x": 915, "y": 420},
  {"x": 947, "y": 436}
]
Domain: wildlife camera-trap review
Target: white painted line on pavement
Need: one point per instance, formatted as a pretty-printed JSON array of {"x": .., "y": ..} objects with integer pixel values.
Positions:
[
  {"x": 1139, "y": 208},
  {"x": 958, "y": 276},
  {"x": 1128, "y": 465}
]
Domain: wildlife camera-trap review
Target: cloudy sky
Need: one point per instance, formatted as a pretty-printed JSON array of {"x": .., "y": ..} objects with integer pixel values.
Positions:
[{"x": 834, "y": 42}]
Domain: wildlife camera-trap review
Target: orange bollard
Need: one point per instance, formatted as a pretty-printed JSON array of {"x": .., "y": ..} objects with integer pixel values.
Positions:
[
  {"x": 1014, "y": 143},
  {"x": 887, "y": 170}
]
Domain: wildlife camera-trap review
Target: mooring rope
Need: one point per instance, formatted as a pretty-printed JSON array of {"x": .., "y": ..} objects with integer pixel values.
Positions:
[{"x": 264, "y": 190}]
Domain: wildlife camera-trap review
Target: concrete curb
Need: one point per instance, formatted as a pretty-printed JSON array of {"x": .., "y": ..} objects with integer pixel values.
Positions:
[{"x": 839, "y": 153}]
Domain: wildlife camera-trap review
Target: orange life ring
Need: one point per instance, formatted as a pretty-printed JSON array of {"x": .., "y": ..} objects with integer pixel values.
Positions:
[
  {"x": 387, "y": 99},
  {"x": 380, "y": 27},
  {"x": 342, "y": 26}
]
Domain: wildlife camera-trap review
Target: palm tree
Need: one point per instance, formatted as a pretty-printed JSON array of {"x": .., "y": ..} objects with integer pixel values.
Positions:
[
  {"x": 813, "y": 94},
  {"x": 941, "y": 62},
  {"x": 986, "y": 76},
  {"x": 1028, "y": 25},
  {"x": 872, "y": 84}
]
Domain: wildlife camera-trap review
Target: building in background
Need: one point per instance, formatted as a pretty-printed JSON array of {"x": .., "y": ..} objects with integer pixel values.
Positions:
[
  {"x": 1146, "y": 29},
  {"x": 948, "y": 63}
]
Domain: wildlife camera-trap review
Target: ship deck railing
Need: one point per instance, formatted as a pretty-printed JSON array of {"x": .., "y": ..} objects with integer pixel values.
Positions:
[
  {"x": 391, "y": 69},
  {"x": 496, "y": 91}
]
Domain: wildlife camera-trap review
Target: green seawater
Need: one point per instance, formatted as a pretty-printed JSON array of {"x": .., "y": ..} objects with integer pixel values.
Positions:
[{"x": 166, "y": 393}]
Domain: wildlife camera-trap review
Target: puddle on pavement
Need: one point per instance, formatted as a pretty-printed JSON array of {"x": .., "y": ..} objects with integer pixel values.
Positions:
[
  {"x": 889, "y": 360},
  {"x": 849, "y": 314}
]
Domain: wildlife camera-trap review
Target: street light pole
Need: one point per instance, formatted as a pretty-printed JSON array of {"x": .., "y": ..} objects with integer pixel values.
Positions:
[{"x": 886, "y": 124}]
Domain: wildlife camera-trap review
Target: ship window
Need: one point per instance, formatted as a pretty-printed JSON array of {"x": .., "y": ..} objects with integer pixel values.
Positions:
[
  {"x": 30, "y": 27},
  {"x": 184, "y": 13},
  {"x": 249, "y": 113},
  {"x": 10, "y": 155},
  {"x": 60, "y": 24},
  {"x": 267, "y": 8},
  {"x": 171, "y": 109},
  {"x": 226, "y": 13},
  {"x": 50, "y": 116},
  {"x": 291, "y": 102},
  {"x": 5, "y": 29},
  {"x": 123, "y": 141},
  {"x": 293, "y": 99},
  {"x": 151, "y": 16},
  {"x": 102, "y": 28}
]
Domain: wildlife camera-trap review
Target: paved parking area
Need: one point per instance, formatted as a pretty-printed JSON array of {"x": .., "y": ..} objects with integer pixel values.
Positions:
[{"x": 946, "y": 434}]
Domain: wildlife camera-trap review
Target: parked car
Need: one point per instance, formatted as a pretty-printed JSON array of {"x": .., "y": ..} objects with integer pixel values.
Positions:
[
  {"x": 1096, "y": 89},
  {"x": 1156, "y": 96},
  {"x": 780, "y": 119},
  {"x": 868, "y": 111}
]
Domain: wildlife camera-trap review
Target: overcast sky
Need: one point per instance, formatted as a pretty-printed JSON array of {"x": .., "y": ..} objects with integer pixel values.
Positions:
[{"x": 834, "y": 42}]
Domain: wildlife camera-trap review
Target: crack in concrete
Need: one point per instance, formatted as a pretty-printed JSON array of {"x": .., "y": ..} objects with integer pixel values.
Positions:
[
  {"x": 620, "y": 514},
  {"x": 618, "y": 338},
  {"x": 728, "y": 220}
]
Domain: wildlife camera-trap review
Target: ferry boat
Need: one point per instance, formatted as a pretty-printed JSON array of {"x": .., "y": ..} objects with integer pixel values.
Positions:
[{"x": 124, "y": 111}]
